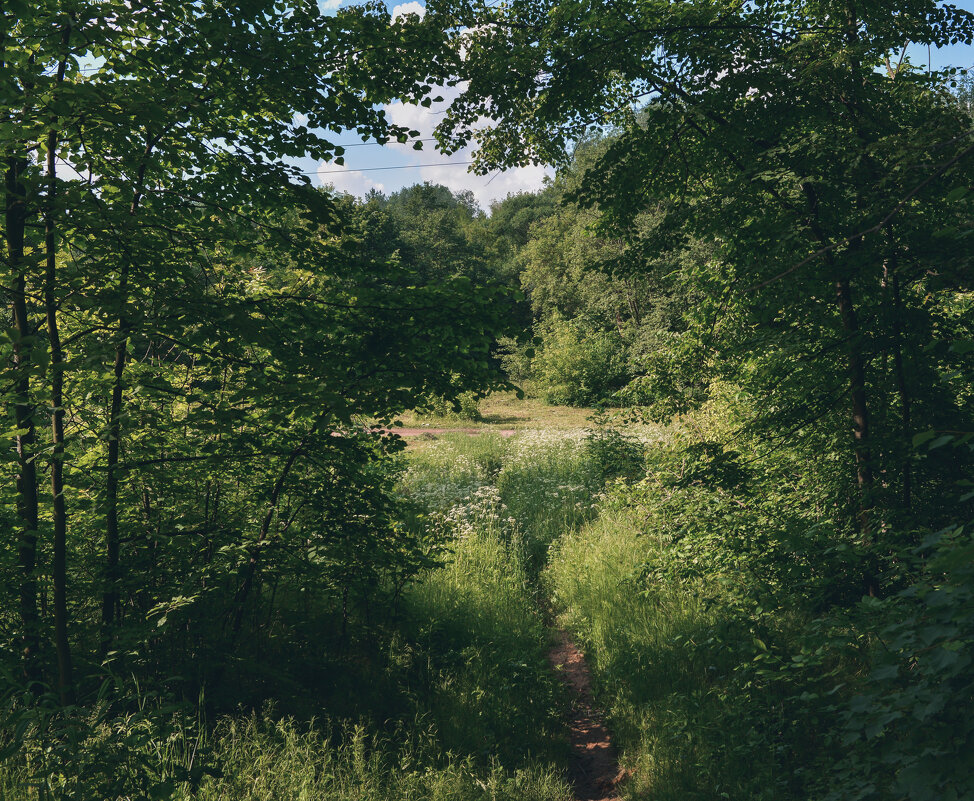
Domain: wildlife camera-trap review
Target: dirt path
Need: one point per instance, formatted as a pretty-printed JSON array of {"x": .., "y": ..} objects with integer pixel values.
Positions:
[
  {"x": 594, "y": 770},
  {"x": 434, "y": 432}
]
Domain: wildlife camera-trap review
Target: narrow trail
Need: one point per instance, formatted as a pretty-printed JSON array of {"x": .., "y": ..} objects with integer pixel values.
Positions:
[
  {"x": 435, "y": 432},
  {"x": 594, "y": 769}
]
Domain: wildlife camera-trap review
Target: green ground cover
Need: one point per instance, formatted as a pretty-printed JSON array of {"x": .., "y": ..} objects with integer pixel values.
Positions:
[{"x": 725, "y": 650}]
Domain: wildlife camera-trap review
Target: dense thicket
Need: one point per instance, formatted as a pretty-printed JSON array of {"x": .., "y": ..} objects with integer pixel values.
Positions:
[
  {"x": 200, "y": 344},
  {"x": 827, "y": 317}
]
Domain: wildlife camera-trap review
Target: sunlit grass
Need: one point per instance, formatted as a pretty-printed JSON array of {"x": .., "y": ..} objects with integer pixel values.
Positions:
[
  {"x": 666, "y": 656},
  {"x": 273, "y": 760},
  {"x": 504, "y": 410}
]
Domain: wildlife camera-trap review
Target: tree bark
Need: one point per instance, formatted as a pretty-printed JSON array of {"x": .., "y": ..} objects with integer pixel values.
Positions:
[
  {"x": 60, "y": 514},
  {"x": 860, "y": 410},
  {"x": 15, "y": 220}
]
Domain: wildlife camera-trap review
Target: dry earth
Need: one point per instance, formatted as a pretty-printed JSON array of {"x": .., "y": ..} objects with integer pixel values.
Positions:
[{"x": 594, "y": 769}]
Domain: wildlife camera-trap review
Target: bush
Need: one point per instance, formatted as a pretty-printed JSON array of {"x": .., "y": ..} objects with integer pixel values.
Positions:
[
  {"x": 907, "y": 732},
  {"x": 579, "y": 366},
  {"x": 515, "y": 359},
  {"x": 615, "y": 453},
  {"x": 465, "y": 407}
]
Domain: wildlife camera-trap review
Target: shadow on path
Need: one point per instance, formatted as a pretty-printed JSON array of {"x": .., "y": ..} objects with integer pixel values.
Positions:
[{"x": 594, "y": 769}]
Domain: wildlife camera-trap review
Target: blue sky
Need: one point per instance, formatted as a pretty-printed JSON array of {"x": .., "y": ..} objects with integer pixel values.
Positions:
[{"x": 391, "y": 167}]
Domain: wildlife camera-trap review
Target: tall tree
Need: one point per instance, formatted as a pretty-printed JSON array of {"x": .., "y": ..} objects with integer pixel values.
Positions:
[
  {"x": 152, "y": 144},
  {"x": 776, "y": 130}
]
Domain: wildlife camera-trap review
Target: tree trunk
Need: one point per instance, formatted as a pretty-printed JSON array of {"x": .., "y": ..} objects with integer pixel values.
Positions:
[
  {"x": 110, "y": 609},
  {"x": 60, "y": 514},
  {"x": 15, "y": 220},
  {"x": 860, "y": 411},
  {"x": 250, "y": 571},
  {"x": 906, "y": 401},
  {"x": 110, "y": 598},
  {"x": 62, "y": 644}
]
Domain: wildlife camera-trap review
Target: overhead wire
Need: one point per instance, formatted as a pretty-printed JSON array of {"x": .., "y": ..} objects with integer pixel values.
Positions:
[{"x": 403, "y": 167}]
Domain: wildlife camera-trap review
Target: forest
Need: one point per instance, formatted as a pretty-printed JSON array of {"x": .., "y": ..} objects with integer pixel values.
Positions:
[{"x": 656, "y": 482}]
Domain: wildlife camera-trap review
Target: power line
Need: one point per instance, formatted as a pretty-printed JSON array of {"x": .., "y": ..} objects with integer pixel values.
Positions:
[
  {"x": 404, "y": 167},
  {"x": 346, "y": 171},
  {"x": 381, "y": 144}
]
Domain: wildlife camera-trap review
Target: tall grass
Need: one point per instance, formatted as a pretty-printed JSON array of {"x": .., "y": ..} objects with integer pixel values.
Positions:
[
  {"x": 491, "y": 693},
  {"x": 279, "y": 760},
  {"x": 462, "y": 705},
  {"x": 448, "y": 471},
  {"x": 671, "y": 660},
  {"x": 549, "y": 482},
  {"x": 546, "y": 481},
  {"x": 501, "y": 503}
]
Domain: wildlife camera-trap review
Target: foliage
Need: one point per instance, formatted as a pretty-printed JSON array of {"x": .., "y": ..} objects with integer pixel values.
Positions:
[
  {"x": 760, "y": 224},
  {"x": 577, "y": 366},
  {"x": 829, "y": 180},
  {"x": 196, "y": 334},
  {"x": 450, "y": 689},
  {"x": 616, "y": 453},
  {"x": 905, "y": 731},
  {"x": 785, "y": 138},
  {"x": 465, "y": 407},
  {"x": 736, "y": 650}
]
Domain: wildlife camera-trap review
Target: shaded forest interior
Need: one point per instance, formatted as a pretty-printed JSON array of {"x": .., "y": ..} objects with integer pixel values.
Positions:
[{"x": 224, "y": 578}]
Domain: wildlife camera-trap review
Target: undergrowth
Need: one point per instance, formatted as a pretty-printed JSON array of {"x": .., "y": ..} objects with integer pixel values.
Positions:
[
  {"x": 721, "y": 612},
  {"x": 737, "y": 652},
  {"x": 443, "y": 693}
]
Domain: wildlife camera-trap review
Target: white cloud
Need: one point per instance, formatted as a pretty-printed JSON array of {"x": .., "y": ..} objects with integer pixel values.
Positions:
[
  {"x": 409, "y": 8},
  {"x": 345, "y": 180},
  {"x": 486, "y": 188},
  {"x": 329, "y": 5}
]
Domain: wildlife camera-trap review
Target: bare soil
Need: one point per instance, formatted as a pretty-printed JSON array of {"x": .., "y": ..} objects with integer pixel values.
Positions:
[
  {"x": 435, "y": 432},
  {"x": 594, "y": 769}
]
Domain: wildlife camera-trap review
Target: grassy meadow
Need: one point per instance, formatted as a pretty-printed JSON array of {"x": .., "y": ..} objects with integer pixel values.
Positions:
[{"x": 715, "y": 681}]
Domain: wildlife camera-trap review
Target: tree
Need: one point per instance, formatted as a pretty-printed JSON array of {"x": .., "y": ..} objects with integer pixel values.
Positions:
[
  {"x": 438, "y": 230},
  {"x": 185, "y": 303},
  {"x": 832, "y": 181}
]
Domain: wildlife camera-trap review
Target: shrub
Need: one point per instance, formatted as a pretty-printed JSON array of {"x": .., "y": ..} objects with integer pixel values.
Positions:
[
  {"x": 615, "y": 453},
  {"x": 465, "y": 407},
  {"x": 516, "y": 359},
  {"x": 579, "y": 366}
]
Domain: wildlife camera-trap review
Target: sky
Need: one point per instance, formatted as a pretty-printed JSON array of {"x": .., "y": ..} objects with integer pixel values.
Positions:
[{"x": 391, "y": 167}]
